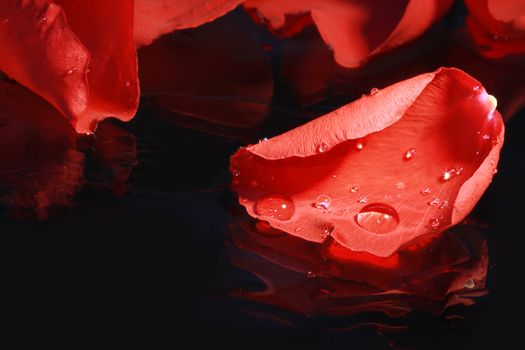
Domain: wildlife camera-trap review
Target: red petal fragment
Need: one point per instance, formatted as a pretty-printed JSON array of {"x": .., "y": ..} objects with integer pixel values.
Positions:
[
  {"x": 356, "y": 30},
  {"x": 232, "y": 90},
  {"x": 446, "y": 116},
  {"x": 85, "y": 66},
  {"x": 154, "y": 18},
  {"x": 39, "y": 166}
]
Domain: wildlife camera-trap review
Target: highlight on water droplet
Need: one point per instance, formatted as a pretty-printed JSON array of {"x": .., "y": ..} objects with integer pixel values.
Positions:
[
  {"x": 354, "y": 189},
  {"x": 235, "y": 172},
  {"x": 264, "y": 139},
  {"x": 447, "y": 174},
  {"x": 322, "y": 202},
  {"x": 311, "y": 274},
  {"x": 378, "y": 218},
  {"x": 409, "y": 154},
  {"x": 434, "y": 202},
  {"x": 425, "y": 191},
  {"x": 494, "y": 171},
  {"x": 434, "y": 223},
  {"x": 444, "y": 204},
  {"x": 374, "y": 91},
  {"x": 323, "y": 147},
  {"x": 362, "y": 199},
  {"x": 71, "y": 70},
  {"x": 359, "y": 145},
  {"x": 278, "y": 206},
  {"x": 476, "y": 89}
]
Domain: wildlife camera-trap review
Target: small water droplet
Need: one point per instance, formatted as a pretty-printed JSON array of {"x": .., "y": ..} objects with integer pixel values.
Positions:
[
  {"x": 459, "y": 170},
  {"x": 362, "y": 199},
  {"x": 243, "y": 200},
  {"x": 278, "y": 206},
  {"x": 297, "y": 229},
  {"x": 327, "y": 232},
  {"x": 235, "y": 172},
  {"x": 127, "y": 83},
  {"x": 334, "y": 176},
  {"x": 323, "y": 147},
  {"x": 359, "y": 145},
  {"x": 485, "y": 137},
  {"x": 447, "y": 174},
  {"x": 434, "y": 223},
  {"x": 323, "y": 202},
  {"x": 434, "y": 202},
  {"x": 374, "y": 91},
  {"x": 42, "y": 20},
  {"x": 494, "y": 172},
  {"x": 264, "y": 139},
  {"x": 470, "y": 284},
  {"x": 409, "y": 154},
  {"x": 354, "y": 189},
  {"x": 71, "y": 70},
  {"x": 378, "y": 218},
  {"x": 476, "y": 89},
  {"x": 311, "y": 274},
  {"x": 425, "y": 191},
  {"x": 444, "y": 204},
  {"x": 77, "y": 58}
]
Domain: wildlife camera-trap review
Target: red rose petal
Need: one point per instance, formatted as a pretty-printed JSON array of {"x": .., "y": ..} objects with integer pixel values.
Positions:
[
  {"x": 232, "y": 90},
  {"x": 357, "y": 155},
  {"x": 84, "y": 65},
  {"x": 154, "y": 18},
  {"x": 503, "y": 18},
  {"x": 357, "y": 30},
  {"x": 39, "y": 166}
]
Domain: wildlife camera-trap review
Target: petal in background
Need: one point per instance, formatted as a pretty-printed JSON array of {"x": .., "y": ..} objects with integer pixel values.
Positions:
[
  {"x": 497, "y": 26},
  {"x": 40, "y": 169},
  {"x": 402, "y": 162},
  {"x": 355, "y": 30},
  {"x": 154, "y": 18},
  {"x": 78, "y": 55},
  {"x": 216, "y": 77},
  {"x": 429, "y": 274}
]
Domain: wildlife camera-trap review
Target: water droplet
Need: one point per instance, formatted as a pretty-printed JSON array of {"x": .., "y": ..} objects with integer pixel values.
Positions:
[
  {"x": 374, "y": 91},
  {"x": 235, "y": 172},
  {"x": 243, "y": 200},
  {"x": 264, "y": 139},
  {"x": 334, "y": 176},
  {"x": 354, "y": 189},
  {"x": 476, "y": 89},
  {"x": 297, "y": 229},
  {"x": 323, "y": 202},
  {"x": 378, "y": 218},
  {"x": 447, "y": 174},
  {"x": 362, "y": 199},
  {"x": 485, "y": 137},
  {"x": 410, "y": 154},
  {"x": 311, "y": 274},
  {"x": 77, "y": 58},
  {"x": 434, "y": 202},
  {"x": 359, "y": 145},
  {"x": 444, "y": 204},
  {"x": 127, "y": 83},
  {"x": 470, "y": 284},
  {"x": 278, "y": 206},
  {"x": 494, "y": 172},
  {"x": 71, "y": 70},
  {"x": 42, "y": 20},
  {"x": 459, "y": 170},
  {"x": 425, "y": 191},
  {"x": 434, "y": 223},
  {"x": 323, "y": 147}
]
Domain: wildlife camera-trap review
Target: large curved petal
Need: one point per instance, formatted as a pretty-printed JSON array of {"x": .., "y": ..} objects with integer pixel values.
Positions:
[
  {"x": 154, "y": 18},
  {"x": 356, "y": 30},
  {"x": 40, "y": 169},
  {"x": 78, "y": 55},
  {"x": 402, "y": 162}
]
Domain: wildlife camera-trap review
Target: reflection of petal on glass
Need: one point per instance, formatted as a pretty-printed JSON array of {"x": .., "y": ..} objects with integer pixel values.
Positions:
[
  {"x": 114, "y": 156},
  {"x": 216, "y": 77},
  {"x": 39, "y": 166},
  {"x": 429, "y": 274}
]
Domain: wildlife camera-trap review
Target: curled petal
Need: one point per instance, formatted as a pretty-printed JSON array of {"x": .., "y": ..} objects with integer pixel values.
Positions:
[
  {"x": 154, "y": 18},
  {"x": 78, "y": 55},
  {"x": 356, "y": 30},
  {"x": 407, "y": 160},
  {"x": 40, "y": 169}
]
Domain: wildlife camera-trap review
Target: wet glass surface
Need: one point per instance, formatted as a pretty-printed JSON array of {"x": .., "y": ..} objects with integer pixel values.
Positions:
[{"x": 156, "y": 249}]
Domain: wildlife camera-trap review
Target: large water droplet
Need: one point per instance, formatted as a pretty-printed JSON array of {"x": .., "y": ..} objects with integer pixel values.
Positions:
[
  {"x": 323, "y": 147},
  {"x": 409, "y": 154},
  {"x": 378, "y": 218},
  {"x": 278, "y": 206},
  {"x": 323, "y": 202}
]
